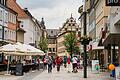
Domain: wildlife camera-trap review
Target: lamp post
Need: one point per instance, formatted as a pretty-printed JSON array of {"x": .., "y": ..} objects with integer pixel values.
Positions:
[
  {"x": 85, "y": 39},
  {"x": 85, "y": 45}
]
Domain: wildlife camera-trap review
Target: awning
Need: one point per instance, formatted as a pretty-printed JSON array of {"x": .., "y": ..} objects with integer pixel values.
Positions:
[
  {"x": 96, "y": 47},
  {"x": 112, "y": 39}
]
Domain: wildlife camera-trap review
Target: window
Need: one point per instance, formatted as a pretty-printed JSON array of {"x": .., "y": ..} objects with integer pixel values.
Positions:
[
  {"x": 6, "y": 37},
  {"x": 51, "y": 31},
  {"x": 3, "y": 2},
  {"x": 6, "y": 17},
  {"x": 53, "y": 49},
  {"x": 71, "y": 20},
  {"x": 73, "y": 24},
  {"x": 10, "y": 17},
  {"x": 65, "y": 29},
  {"x": 1, "y": 15},
  {"x": 8, "y": 34},
  {"x": 15, "y": 19},
  {"x": 50, "y": 49},
  {"x": 69, "y": 24},
  {"x": 0, "y": 32},
  {"x": 0, "y": 1},
  {"x": 76, "y": 29},
  {"x": 21, "y": 25}
]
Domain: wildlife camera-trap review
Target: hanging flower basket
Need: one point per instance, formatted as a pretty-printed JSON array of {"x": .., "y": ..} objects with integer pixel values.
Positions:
[{"x": 85, "y": 40}]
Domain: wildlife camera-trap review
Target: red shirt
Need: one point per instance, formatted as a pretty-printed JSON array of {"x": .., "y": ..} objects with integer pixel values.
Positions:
[
  {"x": 58, "y": 61},
  {"x": 68, "y": 60}
]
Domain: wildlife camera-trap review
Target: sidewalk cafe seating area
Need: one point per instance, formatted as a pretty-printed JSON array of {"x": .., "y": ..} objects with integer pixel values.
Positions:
[{"x": 19, "y": 51}]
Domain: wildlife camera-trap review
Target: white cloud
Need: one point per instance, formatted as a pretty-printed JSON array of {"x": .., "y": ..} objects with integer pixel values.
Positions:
[{"x": 55, "y": 13}]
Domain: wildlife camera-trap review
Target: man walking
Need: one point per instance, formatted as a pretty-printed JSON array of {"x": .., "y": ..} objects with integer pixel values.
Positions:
[{"x": 49, "y": 62}]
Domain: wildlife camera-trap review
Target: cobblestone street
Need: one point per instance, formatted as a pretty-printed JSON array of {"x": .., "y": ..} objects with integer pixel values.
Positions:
[{"x": 62, "y": 75}]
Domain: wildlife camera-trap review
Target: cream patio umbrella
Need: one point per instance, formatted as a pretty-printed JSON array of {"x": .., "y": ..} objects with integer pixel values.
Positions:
[
  {"x": 9, "y": 49},
  {"x": 33, "y": 51}
]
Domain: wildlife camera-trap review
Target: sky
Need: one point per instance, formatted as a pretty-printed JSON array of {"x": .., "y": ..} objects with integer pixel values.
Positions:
[{"x": 54, "y": 12}]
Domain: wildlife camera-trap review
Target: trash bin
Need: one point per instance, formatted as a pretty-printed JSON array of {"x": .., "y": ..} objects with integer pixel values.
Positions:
[{"x": 19, "y": 69}]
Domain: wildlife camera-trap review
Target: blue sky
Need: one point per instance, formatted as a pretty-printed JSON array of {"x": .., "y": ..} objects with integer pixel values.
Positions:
[{"x": 54, "y": 12}]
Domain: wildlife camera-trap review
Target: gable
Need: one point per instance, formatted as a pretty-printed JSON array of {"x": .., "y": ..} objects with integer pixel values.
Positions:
[{"x": 12, "y": 4}]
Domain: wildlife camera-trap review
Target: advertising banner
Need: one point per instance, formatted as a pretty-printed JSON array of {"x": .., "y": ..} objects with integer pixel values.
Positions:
[
  {"x": 117, "y": 72},
  {"x": 95, "y": 66}
]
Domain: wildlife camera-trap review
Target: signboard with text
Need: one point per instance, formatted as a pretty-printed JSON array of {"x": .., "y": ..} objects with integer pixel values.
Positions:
[
  {"x": 117, "y": 72},
  {"x": 94, "y": 63},
  {"x": 19, "y": 69},
  {"x": 112, "y": 2}
]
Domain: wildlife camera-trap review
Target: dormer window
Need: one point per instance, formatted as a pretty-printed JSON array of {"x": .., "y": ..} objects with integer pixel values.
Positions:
[
  {"x": 69, "y": 24},
  {"x": 76, "y": 29},
  {"x": 51, "y": 31},
  {"x": 21, "y": 25},
  {"x": 65, "y": 29}
]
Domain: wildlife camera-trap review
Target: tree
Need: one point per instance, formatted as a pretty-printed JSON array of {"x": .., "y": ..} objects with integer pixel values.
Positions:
[
  {"x": 43, "y": 44},
  {"x": 70, "y": 41}
]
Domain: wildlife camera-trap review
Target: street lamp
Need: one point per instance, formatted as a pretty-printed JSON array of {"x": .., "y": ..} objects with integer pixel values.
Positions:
[{"x": 85, "y": 39}]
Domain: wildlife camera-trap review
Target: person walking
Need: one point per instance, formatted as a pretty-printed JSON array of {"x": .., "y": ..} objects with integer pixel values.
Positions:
[
  {"x": 74, "y": 63},
  {"x": 38, "y": 64},
  {"x": 49, "y": 62},
  {"x": 45, "y": 63},
  {"x": 65, "y": 61},
  {"x": 58, "y": 61},
  {"x": 68, "y": 61}
]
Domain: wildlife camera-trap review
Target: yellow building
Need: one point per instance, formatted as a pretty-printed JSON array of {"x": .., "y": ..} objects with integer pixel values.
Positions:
[{"x": 68, "y": 26}]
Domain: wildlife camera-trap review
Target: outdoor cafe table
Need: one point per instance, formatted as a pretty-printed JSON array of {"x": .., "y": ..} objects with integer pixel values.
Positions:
[{"x": 26, "y": 68}]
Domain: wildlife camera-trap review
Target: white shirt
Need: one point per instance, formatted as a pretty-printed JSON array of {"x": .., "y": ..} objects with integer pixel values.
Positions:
[{"x": 74, "y": 59}]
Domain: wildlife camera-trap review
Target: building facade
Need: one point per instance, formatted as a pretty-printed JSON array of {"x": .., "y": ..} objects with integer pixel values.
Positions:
[
  {"x": 112, "y": 35},
  {"x": 52, "y": 41},
  {"x": 12, "y": 26},
  {"x": 69, "y": 26},
  {"x": 103, "y": 27},
  {"x": 31, "y": 27},
  {"x": 3, "y": 22}
]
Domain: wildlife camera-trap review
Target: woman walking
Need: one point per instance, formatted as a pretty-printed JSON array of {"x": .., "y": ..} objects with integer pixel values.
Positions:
[
  {"x": 68, "y": 61},
  {"x": 58, "y": 61}
]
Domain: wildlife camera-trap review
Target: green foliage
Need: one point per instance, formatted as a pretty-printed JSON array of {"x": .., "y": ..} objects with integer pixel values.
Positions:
[
  {"x": 70, "y": 43},
  {"x": 43, "y": 44}
]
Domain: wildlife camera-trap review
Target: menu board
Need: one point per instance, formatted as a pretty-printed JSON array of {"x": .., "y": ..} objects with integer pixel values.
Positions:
[{"x": 19, "y": 69}]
